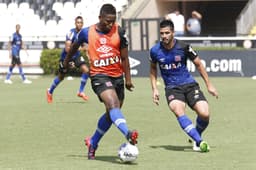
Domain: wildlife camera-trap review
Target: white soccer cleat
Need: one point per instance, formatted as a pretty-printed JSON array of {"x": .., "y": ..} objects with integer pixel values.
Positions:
[
  {"x": 196, "y": 148},
  {"x": 7, "y": 81},
  {"x": 26, "y": 81}
]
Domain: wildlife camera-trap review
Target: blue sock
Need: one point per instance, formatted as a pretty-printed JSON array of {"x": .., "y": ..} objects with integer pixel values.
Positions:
[
  {"x": 103, "y": 125},
  {"x": 118, "y": 119},
  {"x": 22, "y": 74},
  {"x": 187, "y": 125},
  {"x": 84, "y": 78},
  {"x": 8, "y": 76},
  {"x": 201, "y": 125},
  {"x": 55, "y": 83}
]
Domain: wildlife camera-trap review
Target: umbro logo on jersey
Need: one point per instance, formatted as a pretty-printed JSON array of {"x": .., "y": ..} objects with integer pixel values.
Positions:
[{"x": 104, "y": 49}]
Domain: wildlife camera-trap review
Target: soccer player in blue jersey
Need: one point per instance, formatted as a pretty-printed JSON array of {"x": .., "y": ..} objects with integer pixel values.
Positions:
[
  {"x": 76, "y": 61},
  {"x": 15, "y": 45},
  {"x": 180, "y": 87},
  {"x": 109, "y": 64}
]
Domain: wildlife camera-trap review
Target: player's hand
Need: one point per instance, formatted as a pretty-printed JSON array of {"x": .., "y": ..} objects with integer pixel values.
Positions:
[
  {"x": 129, "y": 86},
  {"x": 212, "y": 90},
  {"x": 156, "y": 97},
  {"x": 62, "y": 68}
]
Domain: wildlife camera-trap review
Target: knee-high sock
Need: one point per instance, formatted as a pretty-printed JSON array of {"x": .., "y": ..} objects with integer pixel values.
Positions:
[
  {"x": 84, "y": 78},
  {"x": 201, "y": 125},
  {"x": 187, "y": 125},
  {"x": 9, "y": 74},
  {"x": 55, "y": 83},
  {"x": 118, "y": 119},
  {"x": 103, "y": 125},
  {"x": 21, "y": 73}
]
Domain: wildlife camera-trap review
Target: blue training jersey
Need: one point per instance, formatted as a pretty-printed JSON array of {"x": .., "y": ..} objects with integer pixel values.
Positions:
[
  {"x": 173, "y": 63},
  {"x": 16, "y": 42},
  {"x": 70, "y": 36},
  {"x": 82, "y": 37}
]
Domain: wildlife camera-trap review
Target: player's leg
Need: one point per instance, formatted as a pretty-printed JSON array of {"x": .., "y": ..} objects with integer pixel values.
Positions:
[
  {"x": 24, "y": 79},
  {"x": 104, "y": 123},
  {"x": 176, "y": 99},
  {"x": 197, "y": 101},
  {"x": 57, "y": 80},
  {"x": 113, "y": 103},
  {"x": 105, "y": 89},
  {"x": 203, "y": 116},
  {"x": 55, "y": 83},
  {"x": 178, "y": 108},
  {"x": 84, "y": 77},
  {"x": 9, "y": 73}
]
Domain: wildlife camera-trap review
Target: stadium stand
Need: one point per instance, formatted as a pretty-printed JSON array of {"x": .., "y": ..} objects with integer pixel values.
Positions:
[{"x": 45, "y": 17}]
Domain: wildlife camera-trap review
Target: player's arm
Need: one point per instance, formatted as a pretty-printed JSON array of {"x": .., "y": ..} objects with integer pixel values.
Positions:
[
  {"x": 153, "y": 80},
  {"x": 73, "y": 49},
  {"x": 126, "y": 69},
  {"x": 10, "y": 49},
  {"x": 193, "y": 56},
  {"x": 23, "y": 46},
  {"x": 125, "y": 59},
  {"x": 211, "y": 89}
]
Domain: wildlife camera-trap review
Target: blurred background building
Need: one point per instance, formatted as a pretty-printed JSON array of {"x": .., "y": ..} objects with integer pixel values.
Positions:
[{"x": 47, "y": 18}]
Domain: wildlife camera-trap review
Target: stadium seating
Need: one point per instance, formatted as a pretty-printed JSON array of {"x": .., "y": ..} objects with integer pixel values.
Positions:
[{"x": 38, "y": 17}]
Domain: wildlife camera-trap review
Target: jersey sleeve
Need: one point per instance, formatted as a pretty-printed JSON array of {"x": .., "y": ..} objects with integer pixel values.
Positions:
[
  {"x": 123, "y": 38},
  {"x": 152, "y": 55},
  {"x": 82, "y": 36},
  {"x": 190, "y": 52},
  {"x": 70, "y": 36}
]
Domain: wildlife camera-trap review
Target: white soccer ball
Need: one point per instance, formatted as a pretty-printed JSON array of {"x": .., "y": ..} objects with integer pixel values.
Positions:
[{"x": 128, "y": 152}]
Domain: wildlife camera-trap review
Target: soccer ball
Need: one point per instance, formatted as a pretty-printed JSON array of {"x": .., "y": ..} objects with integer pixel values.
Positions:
[{"x": 128, "y": 152}]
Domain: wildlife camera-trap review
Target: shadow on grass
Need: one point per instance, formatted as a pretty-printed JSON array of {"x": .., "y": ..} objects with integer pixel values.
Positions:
[
  {"x": 174, "y": 148},
  {"x": 111, "y": 159},
  {"x": 70, "y": 102}
]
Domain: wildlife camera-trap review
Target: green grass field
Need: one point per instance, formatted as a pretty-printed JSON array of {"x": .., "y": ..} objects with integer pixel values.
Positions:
[{"x": 37, "y": 135}]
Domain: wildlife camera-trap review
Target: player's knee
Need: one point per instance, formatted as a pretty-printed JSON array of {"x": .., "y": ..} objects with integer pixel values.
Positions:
[{"x": 84, "y": 68}]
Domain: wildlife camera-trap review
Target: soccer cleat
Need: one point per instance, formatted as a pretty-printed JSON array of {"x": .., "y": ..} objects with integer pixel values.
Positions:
[
  {"x": 7, "y": 81},
  {"x": 195, "y": 147},
  {"x": 132, "y": 137},
  {"x": 204, "y": 147},
  {"x": 48, "y": 96},
  {"x": 26, "y": 81},
  {"x": 91, "y": 150},
  {"x": 83, "y": 96}
]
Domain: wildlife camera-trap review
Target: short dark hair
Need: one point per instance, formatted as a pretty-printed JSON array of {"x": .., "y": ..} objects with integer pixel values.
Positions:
[
  {"x": 167, "y": 23},
  {"x": 79, "y": 17},
  {"x": 107, "y": 9}
]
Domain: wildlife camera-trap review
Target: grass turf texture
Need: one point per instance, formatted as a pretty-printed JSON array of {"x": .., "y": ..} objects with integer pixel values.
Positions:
[{"x": 38, "y": 135}]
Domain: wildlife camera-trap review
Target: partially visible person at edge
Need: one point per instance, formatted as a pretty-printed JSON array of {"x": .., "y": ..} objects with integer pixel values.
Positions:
[
  {"x": 181, "y": 88},
  {"x": 179, "y": 22},
  {"x": 14, "y": 47},
  {"x": 108, "y": 54},
  {"x": 75, "y": 61},
  {"x": 193, "y": 24}
]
